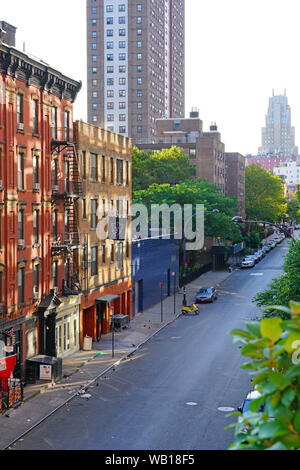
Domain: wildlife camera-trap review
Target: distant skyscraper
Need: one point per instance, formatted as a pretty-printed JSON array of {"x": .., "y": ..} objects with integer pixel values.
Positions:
[
  {"x": 135, "y": 53},
  {"x": 278, "y": 137}
]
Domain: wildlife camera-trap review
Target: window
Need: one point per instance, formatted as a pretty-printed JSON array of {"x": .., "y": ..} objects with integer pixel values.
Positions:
[
  {"x": 94, "y": 58},
  {"x": 35, "y": 116},
  {"x": 122, "y": 105},
  {"x": 110, "y": 93},
  {"x": 93, "y": 221},
  {"x": 94, "y": 70},
  {"x": 110, "y": 20},
  {"x": 109, "y": 8},
  {"x": 67, "y": 125},
  {"x": 139, "y": 7},
  {"x": 120, "y": 256},
  {"x": 112, "y": 170},
  {"x": 139, "y": 129},
  {"x": 20, "y": 171},
  {"x": 83, "y": 208},
  {"x": 20, "y": 225},
  {"x": 122, "y": 93},
  {"x": 139, "y": 32},
  {"x": 122, "y": 117},
  {"x": 112, "y": 253},
  {"x": 94, "y": 82},
  {"x": 122, "y": 32},
  {"x": 35, "y": 163},
  {"x": 54, "y": 225},
  {"x": 83, "y": 164},
  {"x": 110, "y": 105},
  {"x": 36, "y": 275},
  {"x": 110, "y": 117},
  {"x": 94, "y": 46},
  {"x": 94, "y": 10},
  {"x": 110, "y": 45},
  {"x": 103, "y": 253},
  {"x": 54, "y": 122},
  {"x": 122, "y": 44},
  {"x": 122, "y": 56},
  {"x": 122, "y": 20},
  {"x": 139, "y": 20},
  {"x": 127, "y": 173},
  {"x": 122, "y": 7},
  {"x": 110, "y": 81},
  {"x": 109, "y": 57},
  {"x": 94, "y": 261},
  {"x": 119, "y": 171},
  {"x": 20, "y": 120},
  {"x": 21, "y": 282},
  {"x": 139, "y": 44},
  {"x": 110, "y": 32},
  {"x": 94, "y": 34},
  {"x": 139, "y": 81},
  {"x": 139, "y": 68},
  {"x": 94, "y": 166},
  {"x": 139, "y": 56},
  {"x": 122, "y": 130},
  {"x": 54, "y": 273},
  {"x": 36, "y": 227},
  {"x": 110, "y": 69},
  {"x": 122, "y": 68},
  {"x": 103, "y": 169}
]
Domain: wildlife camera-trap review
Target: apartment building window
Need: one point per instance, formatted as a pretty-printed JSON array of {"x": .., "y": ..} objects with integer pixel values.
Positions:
[
  {"x": 122, "y": 20},
  {"x": 94, "y": 70},
  {"x": 94, "y": 58},
  {"x": 139, "y": 7},
  {"x": 110, "y": 20},
  {"x": 139, "y": 93},
  {"x": 20, "y": 120},
  {"x": 21, "y": 286},
  {"x": 94, "y": 34},
  {"x": 109, "y": 8},
  {"x": 139, "y": 129},
  {"x": 21, "y": 225},
  {"x": 112, "y": 253},
  {"x": 110, "y": 105},
  {"x": 94, "y": 166},
  {"x": 83, "y": 208},
  {"x": 139, "y": 32},
  {"x": 94, "y": 94},
  {"x": 20, "y": 171},
  {"x": 54, "y": 273},
  {"x": 122, "y": 56},
  {"x": 139, "y": 44},
  {"x": 112, "y": 171},
  {"x": 127, "y": 173},
  {"x": 120, "y": 256},
  {"x": 139, "y": 19},
  {"x": 94, "y": 261},
  {"x": 127, "y": 250},
  {"x": 122, "y": 44},
  {"x": 54, "y": 225},
  {"x": 67, "y": 272},
  {"x": 67, "y": 125},
  {"x": 122, "y": 105},
  {"x": 110, "y": 117},
  {"x": 110, "y": 93},
  {"x": 103, "y": 253},
  {"x": 122, "y": 32},
  {"x": 122, "y": 117},
  {"x": 109, "y": 45},
  {"x": 139, "y": 56},
  {"x": 54, "y": 172},
  {"x": 94, "y": 22},
  {"x": 93, "y": 221},
  {"x": 122, "y": 130},
  {"x": 139, "y": 105},
  {"x": 119, "y": 171},
  {"x": 94, "y": 10},
  {"x": 83, "y": 164},
  {"x": 139, "y": 117},
  {"x": 94, "y": 82},
  {"x": 122, "y": 7},
  {"x": 35, "y": 227},
  {"x": 109, "y": 32},
  {"x": 110, "y": 69},
  {"x": 36, "y": 278},
  {"x": 94, "y": 46},
  {"x": 122, "y": 68},
  {"x": 35, "y": 116},
  {"x": 139, "y": 68},
  {"x": 110, "y": 81},
  {"x": 103, "y": 169},
  {"x": 35, "y": 164},
  {"x": 109, "y": 57}
]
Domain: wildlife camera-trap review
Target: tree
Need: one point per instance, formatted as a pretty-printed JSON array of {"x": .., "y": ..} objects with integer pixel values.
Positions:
[
  {"x": 170, "y": 166},
  {"x": 264, "y": 195},
  {"x": 273, "y": 419},
  {"x": 293, "y": 208},
  {"x": 284, "y": 288},
  {"x": 195, "y": 192}
]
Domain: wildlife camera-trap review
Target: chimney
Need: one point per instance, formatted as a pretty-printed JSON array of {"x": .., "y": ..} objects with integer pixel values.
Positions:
[
  {"x": 213, "y": 127},
  {"x": 8, "y": 33}
]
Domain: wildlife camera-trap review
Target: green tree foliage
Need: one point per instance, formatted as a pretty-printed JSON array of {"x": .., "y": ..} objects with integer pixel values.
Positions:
[
  {"x": 293, "y": 208},
  {"x": 273, "y": 419},
  {"x": 264, "y": 195},
  {"x": 195, "y": 192},
  {"x": 285, "y": 288},
  {"x": 167, "y": 166}
]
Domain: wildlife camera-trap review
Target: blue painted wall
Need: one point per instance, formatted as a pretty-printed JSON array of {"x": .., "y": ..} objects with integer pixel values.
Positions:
[{"x": 152, "y": 260}]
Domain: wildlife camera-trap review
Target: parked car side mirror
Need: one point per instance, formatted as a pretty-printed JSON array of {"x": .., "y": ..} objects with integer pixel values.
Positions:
[{"x": 240, "y": 410}]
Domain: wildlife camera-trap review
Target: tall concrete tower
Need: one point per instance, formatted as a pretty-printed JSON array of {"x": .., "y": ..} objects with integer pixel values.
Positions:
[{"x": 278, "y": 137}]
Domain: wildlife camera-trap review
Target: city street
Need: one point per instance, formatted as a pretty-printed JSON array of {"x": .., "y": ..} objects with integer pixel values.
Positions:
[{"x": 171, "y": 393}]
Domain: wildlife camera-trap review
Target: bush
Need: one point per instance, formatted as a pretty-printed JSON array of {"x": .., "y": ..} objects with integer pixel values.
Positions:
[{"x": 273, "y": 346}]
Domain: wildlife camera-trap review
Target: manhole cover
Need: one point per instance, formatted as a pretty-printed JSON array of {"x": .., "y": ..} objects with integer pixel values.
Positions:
[{"x": 226, "y": 409}]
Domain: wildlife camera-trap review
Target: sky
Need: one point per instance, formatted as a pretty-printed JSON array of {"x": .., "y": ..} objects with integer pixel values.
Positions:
[{"x": 237, "y": 52}]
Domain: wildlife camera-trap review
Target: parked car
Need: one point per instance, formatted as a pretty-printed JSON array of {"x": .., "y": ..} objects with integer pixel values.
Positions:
[
  {"x": 266, "y": 249},
  {"x": 206, "y": 294},
  {"x": 252, "y": 395},
  {"x": 248, "y": 262},
  {"x": 256, "y": 257},
  {"x": 262, "y": 252}
]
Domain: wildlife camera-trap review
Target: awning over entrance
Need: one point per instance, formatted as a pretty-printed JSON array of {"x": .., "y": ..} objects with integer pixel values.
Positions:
[{"x": 107, "y": 298}]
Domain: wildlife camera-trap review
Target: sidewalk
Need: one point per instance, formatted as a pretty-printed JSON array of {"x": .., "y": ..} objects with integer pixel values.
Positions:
[{"x": 82, "y": 370}]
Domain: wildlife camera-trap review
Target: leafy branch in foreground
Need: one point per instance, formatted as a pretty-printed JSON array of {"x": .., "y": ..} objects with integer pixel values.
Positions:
[{"x": 273, "y": 419}]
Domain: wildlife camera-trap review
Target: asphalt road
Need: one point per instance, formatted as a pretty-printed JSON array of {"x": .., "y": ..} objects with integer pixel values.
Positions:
[{"x": 168, "y": 395}]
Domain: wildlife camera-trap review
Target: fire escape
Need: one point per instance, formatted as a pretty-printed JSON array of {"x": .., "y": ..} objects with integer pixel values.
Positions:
[{"x": 69, "y": 190}]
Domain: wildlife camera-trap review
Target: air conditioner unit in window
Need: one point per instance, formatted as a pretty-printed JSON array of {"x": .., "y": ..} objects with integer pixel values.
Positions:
[
  {"x": 1, "y": 186},
  {"x": 36, "y": 186},
  {"x": 55, "y": 290},
  {"x": 36, "y": 294},
  {"x": 20, "y": 126},
  {"x": 55, "y": 188}
]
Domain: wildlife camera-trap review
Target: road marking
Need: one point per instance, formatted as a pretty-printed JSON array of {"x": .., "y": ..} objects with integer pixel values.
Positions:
[
  {"x": 176, "y": 337},
  {"x": 257, "y": 274},
  {"x": 226, "y": 409},
  {"x": 191, "y": 403}
]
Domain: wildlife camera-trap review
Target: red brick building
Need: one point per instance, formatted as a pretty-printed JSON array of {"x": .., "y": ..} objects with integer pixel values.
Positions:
[{"x": 36, "y": 148}]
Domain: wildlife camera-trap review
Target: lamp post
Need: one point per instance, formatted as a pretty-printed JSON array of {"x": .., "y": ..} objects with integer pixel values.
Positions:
[
  {"x": 174, "y": 276},
  {"x": 214, "y": 211},
  {"x": 161, "y": 302}
]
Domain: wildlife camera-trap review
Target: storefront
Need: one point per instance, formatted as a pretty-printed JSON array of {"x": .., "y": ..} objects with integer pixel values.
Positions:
[{"x": 67, "y": 326}]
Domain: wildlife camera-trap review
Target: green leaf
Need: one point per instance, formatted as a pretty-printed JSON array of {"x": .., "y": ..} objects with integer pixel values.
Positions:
[
  {"x": 288, "y": 397},
  {"x": 278, "y": 380},
  {"x": 255, "y": 404},
  {"x": 295, "y": 308},
  {"x": 254, "y": 328},
  {"x": 290, "y": 343},
  {"x": 251, "y": 350},
  {"x": 271, "y": 328},
  {"x": 296, "y": 421},
  {"x": 272, "y": 429},
  {"x": 278, "y": 446}
]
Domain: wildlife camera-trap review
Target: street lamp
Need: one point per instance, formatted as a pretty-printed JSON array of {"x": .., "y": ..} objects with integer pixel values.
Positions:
[{"x": 214, "y": 211}]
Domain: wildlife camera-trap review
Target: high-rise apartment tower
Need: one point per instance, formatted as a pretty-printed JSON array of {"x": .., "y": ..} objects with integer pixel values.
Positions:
[{"x": 135, "y": 63}]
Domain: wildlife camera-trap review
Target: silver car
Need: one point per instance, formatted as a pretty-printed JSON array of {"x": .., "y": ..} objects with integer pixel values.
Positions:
[{"x": 248, "y": 262}]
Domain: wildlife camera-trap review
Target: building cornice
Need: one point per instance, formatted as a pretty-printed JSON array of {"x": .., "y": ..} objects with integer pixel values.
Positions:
[{"x": 21, "y": 66}]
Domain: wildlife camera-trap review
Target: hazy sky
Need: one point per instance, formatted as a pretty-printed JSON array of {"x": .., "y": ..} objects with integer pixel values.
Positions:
[{"x": 237, "y": 51}]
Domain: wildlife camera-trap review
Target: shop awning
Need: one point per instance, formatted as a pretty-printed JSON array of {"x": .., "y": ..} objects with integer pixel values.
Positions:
[{"x": 107, "y": 298}]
